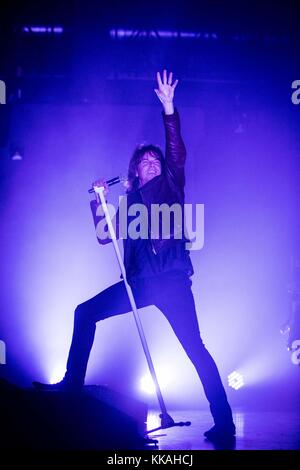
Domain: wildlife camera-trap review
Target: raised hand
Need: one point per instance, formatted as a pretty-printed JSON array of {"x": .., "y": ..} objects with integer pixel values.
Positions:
[{"x": 165, "y": 90}]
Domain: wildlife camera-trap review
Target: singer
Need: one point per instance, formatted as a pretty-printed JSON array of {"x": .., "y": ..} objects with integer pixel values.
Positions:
[{"x": 159, "y": 270}]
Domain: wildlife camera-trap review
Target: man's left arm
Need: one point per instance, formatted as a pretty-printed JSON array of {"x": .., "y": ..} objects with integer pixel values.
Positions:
[{"x": 175, "y": 148}]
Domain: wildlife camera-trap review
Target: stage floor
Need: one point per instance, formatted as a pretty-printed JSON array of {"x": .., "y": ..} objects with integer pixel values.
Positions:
[{"x": 256, "y": 430}]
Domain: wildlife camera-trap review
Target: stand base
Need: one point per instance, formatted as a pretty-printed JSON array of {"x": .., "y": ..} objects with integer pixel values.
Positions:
[{"x": 168, "y": 422}]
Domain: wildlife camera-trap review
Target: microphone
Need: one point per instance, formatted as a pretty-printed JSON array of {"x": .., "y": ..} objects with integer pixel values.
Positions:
[{"x": 111, "y": 182}]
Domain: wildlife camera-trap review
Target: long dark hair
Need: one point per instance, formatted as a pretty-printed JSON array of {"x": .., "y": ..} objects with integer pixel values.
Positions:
[{"x": 132, "y": 180}]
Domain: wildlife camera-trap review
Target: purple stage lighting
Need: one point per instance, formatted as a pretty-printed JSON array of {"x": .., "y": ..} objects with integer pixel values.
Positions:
[
  {"x": 43, "y": 29},
  {"x": 147, "y": 385},
  {"x": 235, "y": 380}
]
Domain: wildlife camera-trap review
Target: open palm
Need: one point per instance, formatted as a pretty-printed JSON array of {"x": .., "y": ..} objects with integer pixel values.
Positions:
[{"x": 165, "y": 90}]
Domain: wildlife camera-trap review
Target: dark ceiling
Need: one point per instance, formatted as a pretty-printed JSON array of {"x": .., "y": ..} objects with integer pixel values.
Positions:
[
  {"x": 235, "y": 42},
  {"x": 260, "y": 16}
]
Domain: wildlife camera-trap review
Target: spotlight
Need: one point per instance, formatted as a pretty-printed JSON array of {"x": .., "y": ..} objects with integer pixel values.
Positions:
[
  {"x": 16, "y": 152},
  {"x": 17, "y": 155},
  {"x": 147, "y": 385},
  {"x": 235, "y": 380},
  {"x": 30, "y": 29},
  {"x": 135, "y": 34},
  {"x": 57, "y": 374}
]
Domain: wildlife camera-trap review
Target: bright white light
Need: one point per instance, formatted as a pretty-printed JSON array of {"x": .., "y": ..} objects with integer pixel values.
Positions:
[
  {"x": 235, "y": 380},
  {"x": 147, "y": 384},
  {"x": 153, "y": 420},
  {"x": 57, "y": 374}
]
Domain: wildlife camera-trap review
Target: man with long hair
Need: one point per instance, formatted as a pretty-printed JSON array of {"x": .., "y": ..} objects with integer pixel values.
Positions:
[{"x": 158, "y": 269}]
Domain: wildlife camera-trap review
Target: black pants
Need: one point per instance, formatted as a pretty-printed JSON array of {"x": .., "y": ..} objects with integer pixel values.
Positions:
[{"x": 172, "y": 294}]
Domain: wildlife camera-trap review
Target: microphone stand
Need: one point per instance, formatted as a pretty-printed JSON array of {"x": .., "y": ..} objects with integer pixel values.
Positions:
[{"x": 166, "y": 420}]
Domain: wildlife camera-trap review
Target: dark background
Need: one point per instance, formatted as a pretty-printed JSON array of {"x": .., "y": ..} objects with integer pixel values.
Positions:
[{"x": 77, "y": 102}]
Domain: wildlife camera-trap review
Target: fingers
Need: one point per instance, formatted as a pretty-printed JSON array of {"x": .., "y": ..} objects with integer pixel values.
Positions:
[
  {"x": 159, "y": 79},
  {"x": 101, "y": 182},
  {"x": 165, "y": 77},
  {"x": 165, "y": 80}
]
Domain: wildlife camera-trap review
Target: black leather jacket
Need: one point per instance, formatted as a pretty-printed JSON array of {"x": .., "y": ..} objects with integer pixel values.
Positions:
[{"x": 166, "y": 188}]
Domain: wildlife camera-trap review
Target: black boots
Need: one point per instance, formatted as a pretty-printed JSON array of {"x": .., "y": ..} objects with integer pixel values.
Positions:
[
  {"x": 63, "y": 385},
  {"x": 220, "y": 433}
]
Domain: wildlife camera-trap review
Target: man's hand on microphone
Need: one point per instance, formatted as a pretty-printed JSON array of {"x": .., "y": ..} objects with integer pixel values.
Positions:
[{"x": 101, "y": 182}]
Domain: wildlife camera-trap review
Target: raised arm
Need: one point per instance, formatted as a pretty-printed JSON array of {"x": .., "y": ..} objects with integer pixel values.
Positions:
[
  {"x": 175, "y": 148},
  {"x": 165, "y": 91}
]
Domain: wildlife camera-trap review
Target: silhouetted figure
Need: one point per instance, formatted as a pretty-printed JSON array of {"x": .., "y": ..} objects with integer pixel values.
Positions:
[{"x": 158, "y": 270}]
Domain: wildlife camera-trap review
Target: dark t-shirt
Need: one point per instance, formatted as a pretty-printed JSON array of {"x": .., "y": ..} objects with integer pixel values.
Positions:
[{"x": 146, "y": 263}]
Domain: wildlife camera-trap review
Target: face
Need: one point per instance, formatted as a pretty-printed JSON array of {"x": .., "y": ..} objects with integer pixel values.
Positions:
[{"x": 148, "y": 168}]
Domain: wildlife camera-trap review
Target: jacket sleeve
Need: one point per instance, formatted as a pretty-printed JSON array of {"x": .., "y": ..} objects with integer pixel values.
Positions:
[
  {"x": 98, "y": 218},
  {"x": 175, "y": 148}
]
